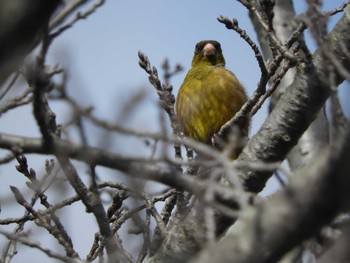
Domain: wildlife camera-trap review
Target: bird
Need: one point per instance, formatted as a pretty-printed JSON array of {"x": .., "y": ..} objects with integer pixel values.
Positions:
[{"x": 209, "y": 96}]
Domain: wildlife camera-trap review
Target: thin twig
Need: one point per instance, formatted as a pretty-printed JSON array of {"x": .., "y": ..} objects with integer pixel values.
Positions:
[
  {"x": 165, "y": 95},
  {"x": 29, "y": 243},
  {"x": 18, "y": 101},
  {"x": 10, "y": 85},
  {"x": 337, "y": 10},
  {"x": 274, "y": 41},
  {"x": 260, "y": 94},
  {"x": 78, "y": 16},
  {"x": 234, "y": 26}
]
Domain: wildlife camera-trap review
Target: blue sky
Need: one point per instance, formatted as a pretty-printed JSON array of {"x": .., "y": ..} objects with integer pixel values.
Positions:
[{"x": 100, "y": 54}]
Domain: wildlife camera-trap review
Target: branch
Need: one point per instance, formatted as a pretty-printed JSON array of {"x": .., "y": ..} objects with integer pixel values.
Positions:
[
  {"x": 68, "y": 9},
  {"x": 140, "y": 169},
  {"x": 266, "y": 232},
  {"x": 40, "y": 80},
  {"x": 77, "y": 17},
  {"x": 271, "y": 34},
  {"x": 38, "y": 246},
  {"x": 245, "y": 110},
  {"x": 260, "y": 94},
  {"x": 337, "y": 10},
  {"x": 296, "y": 109},
  {"x": 166, "y": 97}
]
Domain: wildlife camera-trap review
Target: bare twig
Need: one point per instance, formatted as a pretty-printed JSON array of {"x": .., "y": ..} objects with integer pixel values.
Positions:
[
  {"x": 18, "y": 220},
  {"x": 29, "y": 243},
  {"x": 234, "y": 26},
  {"x": 8, "y": 158},
  {"x": 78, "y": 16},
  {"x": 59, "y": 232},
  {"x": 18, "y": 101},
  {"x": 275, "y": 82},
  {"x": 337, "y": 10},
  {"x": 67, "y": 11},
  {"x": 244, "y": 112},
  {"x": 10, "y": 85},
  {"x": 168, "y": 73},
  {"x": 165, "y": 95},
  {"x": 260, "y": 94}
]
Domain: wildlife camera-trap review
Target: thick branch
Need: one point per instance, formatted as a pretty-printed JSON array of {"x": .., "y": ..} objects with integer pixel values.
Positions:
[
  {"x": 138, "y": 168},
  {"x": 296, "y": 109},
  {"x": 265, "y": 233},
  {"x": 316, "y": 136}
]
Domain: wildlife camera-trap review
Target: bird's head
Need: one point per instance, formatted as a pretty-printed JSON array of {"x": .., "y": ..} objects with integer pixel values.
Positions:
[{"x": 208, "y": 52}]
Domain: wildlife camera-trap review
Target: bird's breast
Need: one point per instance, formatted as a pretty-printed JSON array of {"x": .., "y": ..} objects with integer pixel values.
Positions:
[{"x": 208, "y": 98}]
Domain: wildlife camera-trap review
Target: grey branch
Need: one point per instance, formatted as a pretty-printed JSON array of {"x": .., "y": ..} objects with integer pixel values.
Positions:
[
  {"x": 296, "y": 109},
  {"x": 269, "y": 230}
]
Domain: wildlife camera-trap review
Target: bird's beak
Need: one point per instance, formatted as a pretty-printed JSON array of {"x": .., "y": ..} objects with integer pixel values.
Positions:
[{"x": 209, "y": 50}]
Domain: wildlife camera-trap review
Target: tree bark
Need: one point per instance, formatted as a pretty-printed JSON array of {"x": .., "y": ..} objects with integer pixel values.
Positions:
[{"x": 297, "y": 108}]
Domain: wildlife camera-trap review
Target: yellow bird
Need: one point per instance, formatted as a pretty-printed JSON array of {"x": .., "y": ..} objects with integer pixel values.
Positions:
[{"x": 209, "y": 96}]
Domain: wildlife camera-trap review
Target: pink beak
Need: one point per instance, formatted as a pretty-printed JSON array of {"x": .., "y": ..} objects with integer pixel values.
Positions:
[{"x": 209, "y": 50}]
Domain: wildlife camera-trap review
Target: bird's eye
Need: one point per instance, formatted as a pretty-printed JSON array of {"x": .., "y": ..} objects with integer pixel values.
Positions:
[
  {"x": 217, "y": 46},
  {"x": 198, "y": 48}
]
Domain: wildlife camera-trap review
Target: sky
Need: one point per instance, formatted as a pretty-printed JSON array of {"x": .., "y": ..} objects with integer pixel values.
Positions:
[{"x": 100, "y": 55}]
